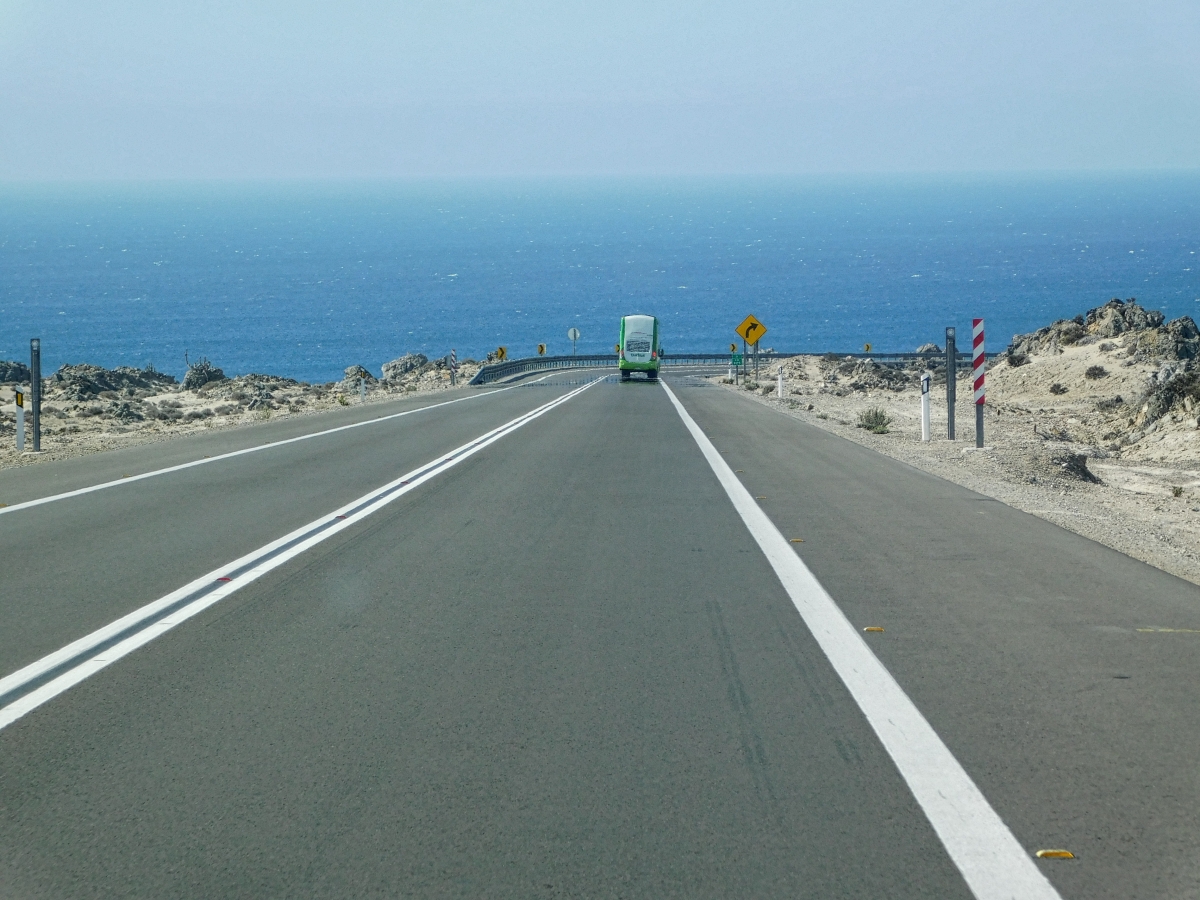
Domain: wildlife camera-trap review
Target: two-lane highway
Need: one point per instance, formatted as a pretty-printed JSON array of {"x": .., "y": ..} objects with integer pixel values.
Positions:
[{"x": 563, "y": 665}]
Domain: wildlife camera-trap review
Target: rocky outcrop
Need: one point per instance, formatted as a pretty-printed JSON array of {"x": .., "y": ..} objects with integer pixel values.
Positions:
[
  {"x": 84, "y": 381},
  {"x": 13, "y": 372},
  {"x": 850, "y": 374},
  {"x": 1147, "y": 337},
  {"x": 1178, "y": 339},
  {"x": 1119, "y": 316},
  {"x": 354, "y": 373},
  {"x": 396, "y": 369},
  {"x": 201, "y": 373}
]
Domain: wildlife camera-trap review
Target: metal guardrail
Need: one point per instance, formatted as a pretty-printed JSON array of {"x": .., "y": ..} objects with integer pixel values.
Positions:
[{"x": 497, "y": 371}]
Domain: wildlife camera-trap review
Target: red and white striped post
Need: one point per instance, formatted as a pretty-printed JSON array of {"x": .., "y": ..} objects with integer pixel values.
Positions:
[{"x": 979, "y": 370}]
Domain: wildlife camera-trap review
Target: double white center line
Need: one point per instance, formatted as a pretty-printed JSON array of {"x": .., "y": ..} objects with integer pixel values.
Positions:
[{"x": 30, "y": 687}]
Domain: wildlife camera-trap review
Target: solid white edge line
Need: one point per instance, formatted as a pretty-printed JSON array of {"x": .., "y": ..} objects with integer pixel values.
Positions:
[
  {"x": 66, "y": 495},
  {"x": 993, "y": 863},
  {"x": 90, "y": 665}
]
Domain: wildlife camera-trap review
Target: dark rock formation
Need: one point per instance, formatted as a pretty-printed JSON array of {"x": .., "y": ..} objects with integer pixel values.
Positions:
[
  {"x": 396, "y": 369},
  {"x": 84, "y": 381},
  {"x": 13, "y": 372},
  {"x": 201, "y": 373}
]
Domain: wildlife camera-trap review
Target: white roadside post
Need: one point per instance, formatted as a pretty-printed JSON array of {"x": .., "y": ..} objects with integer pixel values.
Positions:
[
  {"x": 779, "y": 387},
  {"x": 362, "y": 390},
  {"x": 20, "y": 422},
  {"x": 926, "y": 378},
  {"x": 453, "y": 367}
]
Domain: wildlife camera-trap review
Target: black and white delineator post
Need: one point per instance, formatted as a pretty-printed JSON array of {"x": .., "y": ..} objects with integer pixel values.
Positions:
[
  {"x": 20, "y": 422},
  {"x": 35, "y": 384},
  {"x": 453, "y": 367},
  {"x": 979, "y": 373},
  {"x": 926, "y": 378},
  {"x": 951, "y": 381},
  {"x": 362, "y": 390}
]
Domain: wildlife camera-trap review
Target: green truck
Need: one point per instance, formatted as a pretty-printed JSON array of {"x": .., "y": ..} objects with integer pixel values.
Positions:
[{"x": 639, "y": 350}]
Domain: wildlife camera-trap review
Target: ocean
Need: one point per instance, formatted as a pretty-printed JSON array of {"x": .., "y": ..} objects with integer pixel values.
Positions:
[{"x": 304, "y": 279}]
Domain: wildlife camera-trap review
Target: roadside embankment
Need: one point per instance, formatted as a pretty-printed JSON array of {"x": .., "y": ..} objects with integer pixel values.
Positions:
[
  {"x": 88, "y": 408},
  {"x": 1092, "y": 423}
]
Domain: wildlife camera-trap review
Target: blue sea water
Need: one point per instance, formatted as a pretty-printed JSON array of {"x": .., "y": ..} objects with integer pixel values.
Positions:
[{"x": 306, "y": 279}]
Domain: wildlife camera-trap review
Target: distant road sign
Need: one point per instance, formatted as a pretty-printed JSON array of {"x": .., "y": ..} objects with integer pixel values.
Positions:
[
  {"x": 737, "y": 359},
  {"x": 501, "y": 353},
  {"x": 866, "y": 348},
  {"x": 541, "y": 349},
  {"x": 733, "y": 348},
  {"x": 572, "y": 334},
  {"x": 751, "y": 330}
]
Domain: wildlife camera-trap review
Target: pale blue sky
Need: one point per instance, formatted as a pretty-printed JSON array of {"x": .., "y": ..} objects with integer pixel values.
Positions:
[{"x": 357, "y": 88}]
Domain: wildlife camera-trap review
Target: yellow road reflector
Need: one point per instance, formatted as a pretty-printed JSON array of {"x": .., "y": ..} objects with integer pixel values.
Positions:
[
  {"x": 125, "y": 476},
  {"x": 797, "y": 540},
  {"x": 1055, "y": 854},
  {"x": 873, "y": 628},
  {"x": 760, "y": 498},
  {"x": 1169, "y": 630},
  {"x": 739, "y": 470},
  {"x": 2, "y": 505}
]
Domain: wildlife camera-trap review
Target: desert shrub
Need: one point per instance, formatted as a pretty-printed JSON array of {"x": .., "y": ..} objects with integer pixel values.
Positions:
[
  {"x": 1057, "y": 388},
  {"x": 875, "y": 420},
  {"x": 1016, "y": 357},
  {"x": 1110, "y": 404},
  {"x": 1094, "y": 372},
  {"x": 1176, "y": 492}
]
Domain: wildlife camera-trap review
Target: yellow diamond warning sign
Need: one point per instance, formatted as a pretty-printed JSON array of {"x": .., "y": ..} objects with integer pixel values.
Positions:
[{"x": 751, "y": 330}]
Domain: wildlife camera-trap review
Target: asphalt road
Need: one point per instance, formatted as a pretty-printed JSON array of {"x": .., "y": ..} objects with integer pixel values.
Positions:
[{"x": 564, "y": 667}]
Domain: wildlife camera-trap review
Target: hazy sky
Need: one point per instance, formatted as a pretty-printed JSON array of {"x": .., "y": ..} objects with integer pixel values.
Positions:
[{"x": 132, "y": 89}]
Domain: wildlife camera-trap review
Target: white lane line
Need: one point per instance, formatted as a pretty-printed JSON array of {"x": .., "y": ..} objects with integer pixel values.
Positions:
[
  {"x": 221, "y": 582},
  {"x": 987, "y": 854},
  {"x": 212, "y": 459}
]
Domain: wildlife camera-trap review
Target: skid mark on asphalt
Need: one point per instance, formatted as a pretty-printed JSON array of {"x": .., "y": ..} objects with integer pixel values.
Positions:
[
  {"x": 754, "y": 753},
  {"x": 800, "y": 662}
]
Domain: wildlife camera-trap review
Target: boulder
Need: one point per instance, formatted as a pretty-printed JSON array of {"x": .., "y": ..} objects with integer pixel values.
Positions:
[
  {"x": 13, "y": 372},
  {"x": 354, "y": 373},
  {"x": 393, "y": 371},
  {"x": 201, "y": 373}
]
